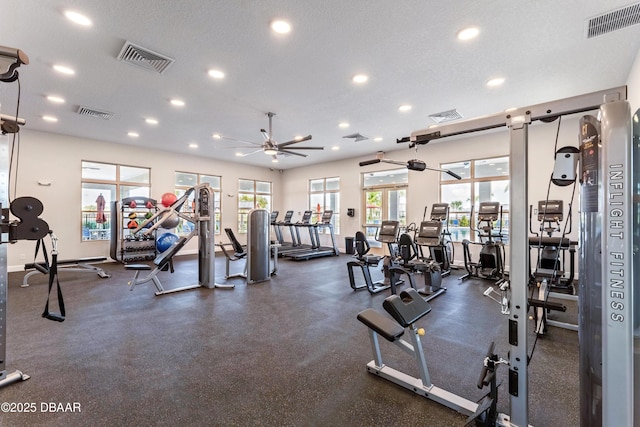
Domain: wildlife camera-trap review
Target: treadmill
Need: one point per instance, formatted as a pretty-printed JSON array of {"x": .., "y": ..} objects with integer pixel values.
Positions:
[
  {"x": 294, "y": 229},
  {"x": 273, "y": 217},
  {"x": 278, "y": 226},
  {"x": 316, "y": 250}
]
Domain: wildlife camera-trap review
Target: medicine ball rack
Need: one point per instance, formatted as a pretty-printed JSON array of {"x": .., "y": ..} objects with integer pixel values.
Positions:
[{"x": 127, "y": 247}]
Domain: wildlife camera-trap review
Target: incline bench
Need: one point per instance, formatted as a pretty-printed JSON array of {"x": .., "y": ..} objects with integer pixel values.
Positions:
[{"x": 77, "y": 265}]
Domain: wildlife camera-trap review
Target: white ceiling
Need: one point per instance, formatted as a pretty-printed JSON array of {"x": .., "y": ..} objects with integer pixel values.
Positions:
[{"x": 408, "y": 48}]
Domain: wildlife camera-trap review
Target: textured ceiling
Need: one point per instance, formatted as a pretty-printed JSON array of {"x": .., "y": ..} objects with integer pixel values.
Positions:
[{"x": 408, "y": 48}]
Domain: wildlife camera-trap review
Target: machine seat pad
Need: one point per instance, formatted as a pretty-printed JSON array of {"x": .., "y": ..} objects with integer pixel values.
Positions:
[
  {"x": 137, "y": 267},
  {"x": 406, "y": 308},
  {"x": 381, "y": 324},
  {"x": 549, "y": 305},
  {"x": 564, "y": 243},
  {"x": 371, "y": 259},
  {"x": 164, "y": 257}
]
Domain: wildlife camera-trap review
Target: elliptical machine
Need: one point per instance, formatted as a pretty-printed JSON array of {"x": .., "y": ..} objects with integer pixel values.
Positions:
[{"x": 490, "y": 264}]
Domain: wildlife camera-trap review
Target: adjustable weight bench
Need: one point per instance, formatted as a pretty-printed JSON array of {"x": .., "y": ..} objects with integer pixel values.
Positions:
[
  {"x": 76, "y": 265},
  {"x": 162, "y": 262}
]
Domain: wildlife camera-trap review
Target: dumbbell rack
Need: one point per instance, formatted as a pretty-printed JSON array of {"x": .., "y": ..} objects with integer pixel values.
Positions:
[{"x": 125, "y": 246}]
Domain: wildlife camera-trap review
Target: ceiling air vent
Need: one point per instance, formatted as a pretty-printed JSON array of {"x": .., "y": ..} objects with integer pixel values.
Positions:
[
  {"x": 446, "y": 116},
  {"x": 86, "y": 111},
  {"x": 614, "y": 20},
  {"x": 145, "y": 58}
]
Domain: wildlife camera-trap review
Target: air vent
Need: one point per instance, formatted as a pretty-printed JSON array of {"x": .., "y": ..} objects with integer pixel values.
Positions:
[
  {"x": 145, "y": 58},
  {"x": 86, "y": 111},
  {"x": 612, "y": 21},
  {"x": 446, "y": 116}
]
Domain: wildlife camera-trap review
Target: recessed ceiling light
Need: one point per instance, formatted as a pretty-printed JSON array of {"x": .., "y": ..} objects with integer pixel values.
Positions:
[
  {"x": 274, "y": 160},
  {"x": 64, "y": 70},
  {"x": 360, "y": 78},
  {"x": 56, "y": 99},
  {"x": 280, "y": 26},
  {"x": 78, "y": 18},
  {"x": 216, "y": 136},
  {"x": 50, "y": 119},
  {"x": 468, "y": 33},
  {"x": 343, "y": 125},
  {"x": 377, "y": 139},
  {"x": 193, "y": 145},
  {"x": 133, "y": 134},
  {"x": 216, "y": 74},
  {"x": 335, "y": 148},
  {"x": 404, "y": 108},
  {"x": 495, "y": 82},
  {"x": 177, "y": 102},
  {"x": 238, "y": 154},
  {"x": 151, "y": 121},
  {"x": 510, "y": 109}
]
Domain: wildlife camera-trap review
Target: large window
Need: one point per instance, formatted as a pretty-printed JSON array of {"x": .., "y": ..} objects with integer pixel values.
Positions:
[
  {"x": 324, "y": 194},
  {"x": 252, "y": 194},
  {"x": 186, "y": 180},
  {"x": 102, "y": 184},
  {"x": 482, "y": 181},
  {"x": 384, "y": 198}
]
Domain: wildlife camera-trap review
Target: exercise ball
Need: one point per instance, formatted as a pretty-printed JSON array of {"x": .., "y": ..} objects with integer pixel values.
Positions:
[
  {"x": 169, "y": 220},
  {"x": 165, "y": 241},
  {"x": 168, "y": 199}
]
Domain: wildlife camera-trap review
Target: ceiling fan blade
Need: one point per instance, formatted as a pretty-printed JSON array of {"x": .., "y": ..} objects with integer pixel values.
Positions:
[
  {"x": 369, "y": 162},
  {"x": 393, "y": 162},
  {"x": 239, "y": 140},
  {"x": 292, "y": 152},
  {"x": 252, "y": 152},
  {"x": 294, "y": 141},
  {"x": 301, "y": 148}
]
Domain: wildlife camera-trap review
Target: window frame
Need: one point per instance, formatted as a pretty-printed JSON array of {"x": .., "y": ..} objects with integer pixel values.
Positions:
[
  {"x": 217, "y": 199},
  {"x": 89, "y": 216},
  {"x": 371, "y": 229},
  {"x": 464, "y": 228},
  {"x": 326, "y": 194},
  {"x": 243, "y": 212}
]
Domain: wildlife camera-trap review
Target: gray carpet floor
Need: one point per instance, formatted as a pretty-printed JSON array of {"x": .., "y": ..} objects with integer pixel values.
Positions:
[{"x": 288, "y": 352}]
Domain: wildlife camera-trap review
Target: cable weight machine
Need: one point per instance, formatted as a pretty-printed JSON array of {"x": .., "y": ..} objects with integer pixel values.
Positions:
[{"x": 618, "y": 326}]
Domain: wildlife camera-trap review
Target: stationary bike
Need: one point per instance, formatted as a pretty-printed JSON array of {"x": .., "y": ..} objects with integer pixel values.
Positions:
[
  {"x": 434, "y": 235},
  {"x": 387, "y": 234}
]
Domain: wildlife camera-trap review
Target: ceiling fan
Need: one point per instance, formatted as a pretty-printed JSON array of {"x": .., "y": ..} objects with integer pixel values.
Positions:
[
  {"x": 414, "y": 165},
  {"x": 271, "y": 148}
]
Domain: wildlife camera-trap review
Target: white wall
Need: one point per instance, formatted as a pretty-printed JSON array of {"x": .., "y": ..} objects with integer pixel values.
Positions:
[
  {"x": 633, "y": 85},
  {"x": 57, "y": 158}
]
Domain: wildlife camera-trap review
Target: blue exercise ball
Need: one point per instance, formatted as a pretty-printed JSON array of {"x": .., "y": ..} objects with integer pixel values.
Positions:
[{"x": 165, "y": 241}]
